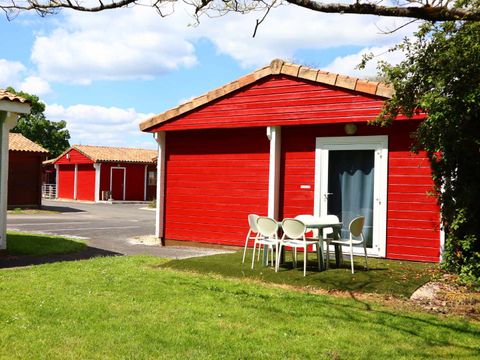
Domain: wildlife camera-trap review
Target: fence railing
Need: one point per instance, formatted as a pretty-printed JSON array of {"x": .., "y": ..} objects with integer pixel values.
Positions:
[{"x": 49, "y": 191}]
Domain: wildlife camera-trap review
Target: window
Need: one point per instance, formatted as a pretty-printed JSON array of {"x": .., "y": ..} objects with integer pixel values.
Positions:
[{"x": 152, "y": 178}]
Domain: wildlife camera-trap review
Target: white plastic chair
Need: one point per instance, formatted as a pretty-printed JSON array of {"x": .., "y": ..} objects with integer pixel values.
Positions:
[
  {"x": 294, "y": 236},
  {"x": 328, "y": 234},
  {"x": 252, "y": 233},
  {"x": 355, "y": 227},
  {"x": 267, "y": 236}
]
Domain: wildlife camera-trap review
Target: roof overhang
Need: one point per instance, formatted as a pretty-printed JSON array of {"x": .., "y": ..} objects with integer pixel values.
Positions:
[
  {"x": 14, "y": 107},
  {"x": 277, "y": 67}
]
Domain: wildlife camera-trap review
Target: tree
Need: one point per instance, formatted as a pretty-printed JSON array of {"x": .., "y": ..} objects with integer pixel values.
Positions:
[
  {"x": 441, "y": 75},
  {"x": 432, "y": 10},
  {"x": 52, "y": 135}
]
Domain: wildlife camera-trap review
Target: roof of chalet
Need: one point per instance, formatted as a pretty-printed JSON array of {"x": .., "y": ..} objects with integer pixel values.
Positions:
[
  {"x": 5, "y": 95},
  {"x": 114, "y": 154},
  {"x": 276, "y": 67},
  {"x": 18, "y": 142}
]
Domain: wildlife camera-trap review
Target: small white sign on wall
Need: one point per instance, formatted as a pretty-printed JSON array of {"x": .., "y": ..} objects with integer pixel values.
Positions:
[{"x": 305, "y": 187}]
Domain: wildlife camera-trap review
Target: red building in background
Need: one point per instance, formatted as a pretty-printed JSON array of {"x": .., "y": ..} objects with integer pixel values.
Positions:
[
  {"x": 25, "y": 172},
  {"x": 94, "y": 173}
]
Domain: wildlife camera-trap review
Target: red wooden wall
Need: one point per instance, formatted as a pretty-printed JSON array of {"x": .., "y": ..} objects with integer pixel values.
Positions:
[
  {"x": 280, "y": 100},
  {"x": 413, "y": 230},
  {"x": 135, "y": 182},
  {"x": 413, "y": 217},
  {"x": 86, "y": 182},
  {"x": 214, "y": 179},
  {"x": 66, "y": 180},
  {"x": 75, "y": 157},
  {"x": 25, "y": 179},
  {"x": 85, "y": 176},
  {"x": 135, "y": 179}
]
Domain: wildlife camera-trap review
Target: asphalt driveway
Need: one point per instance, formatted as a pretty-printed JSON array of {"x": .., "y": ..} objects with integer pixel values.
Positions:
[{"x": 107, "y": 227}]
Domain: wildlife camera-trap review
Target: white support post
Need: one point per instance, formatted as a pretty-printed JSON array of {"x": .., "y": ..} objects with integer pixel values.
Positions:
[
  {"x": 75, "y": 183},
  {"x": 97, "y": 167},
  {"x": 145, "y": 183},
  {"x": 160, "y": 211},
  {"x": 6, "y": 125},
  {"x": 274, "y": 135},
  {"x": 57, "y": 179}
]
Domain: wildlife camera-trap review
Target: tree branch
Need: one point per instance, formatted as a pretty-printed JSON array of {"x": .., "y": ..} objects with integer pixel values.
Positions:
[
  {"x": 426, "y": 12},
  {"x": 430, "y": 10},
  {"x": 52, "y": 5}
]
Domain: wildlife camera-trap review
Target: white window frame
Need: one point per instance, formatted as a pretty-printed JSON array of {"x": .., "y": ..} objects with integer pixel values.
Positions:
[
  {"x": 380, "y": 145},
  {"x": 124, "y": 179}
]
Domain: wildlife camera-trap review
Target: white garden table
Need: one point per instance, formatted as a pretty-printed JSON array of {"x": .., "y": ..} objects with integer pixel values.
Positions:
[{"x": 319, "y": 225}]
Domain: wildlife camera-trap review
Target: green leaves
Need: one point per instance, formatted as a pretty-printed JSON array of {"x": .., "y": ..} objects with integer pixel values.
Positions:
[
  {"x": 52, "y": 135},
  {"x": 441, "y": 75}
]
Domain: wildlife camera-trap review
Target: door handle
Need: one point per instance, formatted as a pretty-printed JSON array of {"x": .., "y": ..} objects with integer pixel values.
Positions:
[{"x": 326, "y": 195}]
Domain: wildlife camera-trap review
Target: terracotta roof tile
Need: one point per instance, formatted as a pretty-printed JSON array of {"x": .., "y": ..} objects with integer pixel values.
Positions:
[
  {"x": 277, "y": 67},
  {"x": 18, "y": 142},
  {"x": 114, "y": 154},
  {"x": 5, "y": 95}
]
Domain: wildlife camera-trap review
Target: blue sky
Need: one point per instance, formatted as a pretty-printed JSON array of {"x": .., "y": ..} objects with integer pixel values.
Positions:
[{"x": 105, "y": 72}]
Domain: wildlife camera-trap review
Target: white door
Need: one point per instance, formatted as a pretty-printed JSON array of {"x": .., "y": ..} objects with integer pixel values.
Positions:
[{"x": 350, "y": 181}]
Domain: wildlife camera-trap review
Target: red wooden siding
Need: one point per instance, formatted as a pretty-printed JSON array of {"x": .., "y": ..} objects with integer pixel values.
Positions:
[
  {"x": 412, "y": 216},
  {"x": 25, "y": 179},
  {"x": 280, "y": 100},
  {"x": 66, "y": 176},
  {"x": 86, "y": 182},
  {"x": 135, "y": 180},
  {"x": 75, "y": 158},
  {"x": 214, "y": 179}
]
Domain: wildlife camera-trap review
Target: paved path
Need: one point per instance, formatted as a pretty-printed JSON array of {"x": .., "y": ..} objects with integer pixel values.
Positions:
[{"x": 108, "y": 228}]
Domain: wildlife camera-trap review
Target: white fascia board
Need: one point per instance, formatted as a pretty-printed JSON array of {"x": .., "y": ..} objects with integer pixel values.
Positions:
[{"x": 14, "y": 107}]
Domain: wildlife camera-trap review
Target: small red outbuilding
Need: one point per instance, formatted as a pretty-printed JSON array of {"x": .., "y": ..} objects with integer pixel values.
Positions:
[
  {"x": 288, "y": 140},
  {"x": 87, "y": 172},
  {"x": 25, "y": 172}
]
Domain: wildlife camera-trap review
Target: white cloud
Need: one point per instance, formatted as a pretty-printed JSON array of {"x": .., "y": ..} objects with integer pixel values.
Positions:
[
  {"x": 134, "y": 43},
  {"x": 35, "y": 85},
  {"x": 11, "y": 73},
  {"x": 289, "y": 29},
  {"x": 347, "y": 64},
  {"x": 98, "y": 125}
]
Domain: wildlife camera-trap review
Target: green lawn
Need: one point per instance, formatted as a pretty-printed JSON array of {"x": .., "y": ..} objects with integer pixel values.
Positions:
[
  {"x": 399, "y": 278},
  {"x": 33, "y": 244},
  {"x": 135, "y": 308}
]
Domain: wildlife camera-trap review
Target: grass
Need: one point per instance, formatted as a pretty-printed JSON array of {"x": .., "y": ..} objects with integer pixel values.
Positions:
[
  {"x": 22, "y": 211},
  {"x": 133, "y": 307},
  {"x": 399, "y": 278},
  {"x": 33, "y": 244}
]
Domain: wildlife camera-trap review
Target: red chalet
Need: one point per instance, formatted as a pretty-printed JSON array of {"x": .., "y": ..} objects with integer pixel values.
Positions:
[
  {"x": 95, "y": 173},
  {"x": 24, "y": 172},
  {"x": 288, "y": 140}
]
